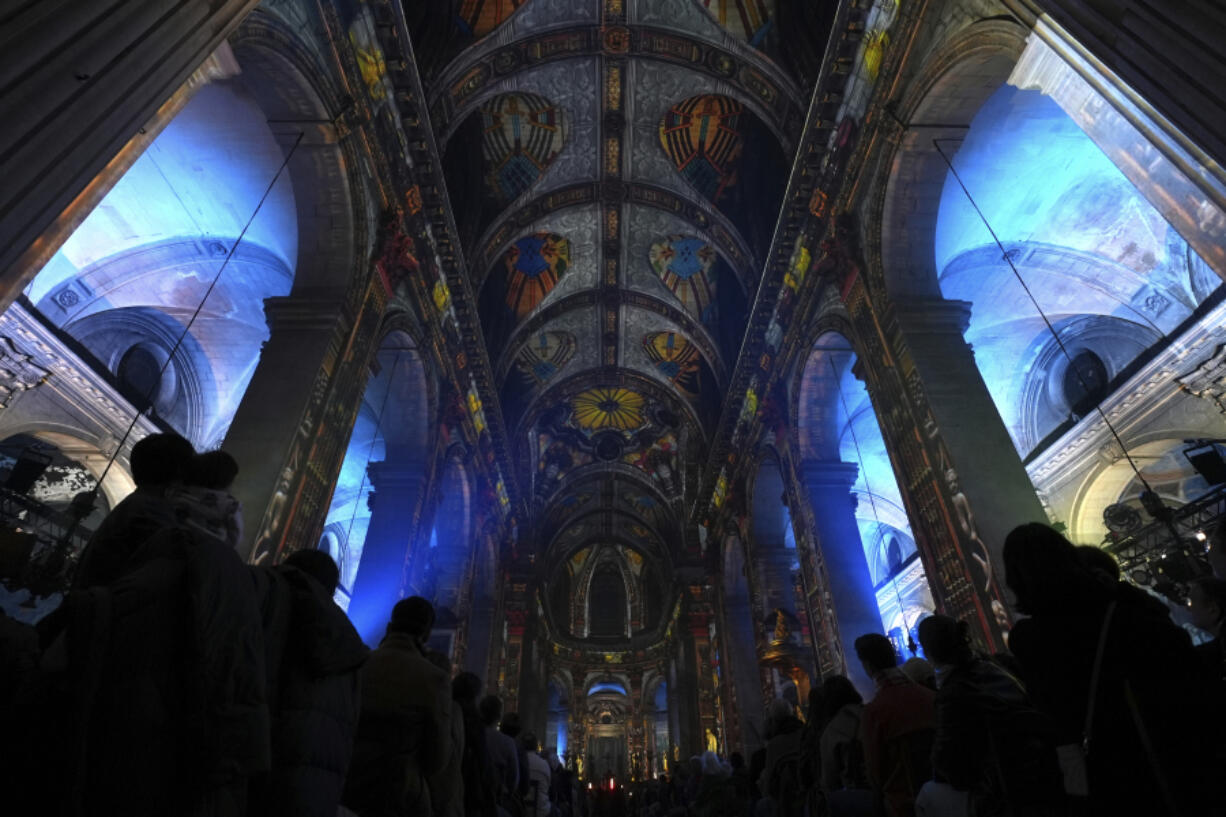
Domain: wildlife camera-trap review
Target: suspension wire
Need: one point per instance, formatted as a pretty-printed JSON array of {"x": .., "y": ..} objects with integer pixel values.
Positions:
[
  {"x": 195, "y": 314},
  {"x": 1050, "y": 328},
  {"x": 872, "y": 497},
  {"x": 391, "y": 378}
]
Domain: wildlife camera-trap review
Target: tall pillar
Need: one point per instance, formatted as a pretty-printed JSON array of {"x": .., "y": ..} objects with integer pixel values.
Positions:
[
  {"x": 829, "y": 485},
  {"x": 292, "y": 427},
  {"x": 990, "y": 492},
  {"x": 398, "y": 484},
  {"x": 84, "y": 81}
]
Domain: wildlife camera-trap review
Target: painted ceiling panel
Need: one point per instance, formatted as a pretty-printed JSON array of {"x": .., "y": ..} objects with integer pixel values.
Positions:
[{"x": 522, "y": 135}]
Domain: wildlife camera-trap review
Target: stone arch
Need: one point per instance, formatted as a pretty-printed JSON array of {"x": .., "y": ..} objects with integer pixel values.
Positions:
[
  {"x": 282, "y": 74},
  {"x": 939, "y": 104}
]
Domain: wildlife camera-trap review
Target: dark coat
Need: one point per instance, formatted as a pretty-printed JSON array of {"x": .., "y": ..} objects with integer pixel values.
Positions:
[
  {"x": 317, "y": 702},
  {"x": 404, "y": 732},
  {"x": 166, "y": 674},
  {"x": 1150, "y": 676},
  {"x": 991, "y": 741}
]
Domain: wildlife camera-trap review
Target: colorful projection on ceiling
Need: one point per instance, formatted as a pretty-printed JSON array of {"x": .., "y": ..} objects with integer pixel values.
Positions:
[
  {"x": 533, "y": 266},
  {"x": 479, "y": 17},
  {"x": 749, "y": 20},
  {"x": 702, "y": 138},
  {"x": 677, "y": 359},
  {"x": 521, "y": 136},
  {"x": 686, "y": 267},
  {"x": 609, "y": 408}
]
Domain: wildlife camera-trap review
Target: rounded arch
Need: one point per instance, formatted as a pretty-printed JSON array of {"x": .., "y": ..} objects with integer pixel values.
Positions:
[
  {"x": 949, "y": 91},
  {"x": 300, "y": 102}
]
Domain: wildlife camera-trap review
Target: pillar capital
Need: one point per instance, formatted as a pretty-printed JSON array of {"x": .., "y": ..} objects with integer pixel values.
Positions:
[
  {"x": 825, "y": 474},
  {"x": 397, "y": 474},
  {"x": 933, "y": 316},
  {"x": 302, "y": 312}
]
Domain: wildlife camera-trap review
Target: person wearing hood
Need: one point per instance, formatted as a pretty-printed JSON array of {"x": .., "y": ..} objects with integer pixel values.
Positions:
[{"x": 316, "y": 700}]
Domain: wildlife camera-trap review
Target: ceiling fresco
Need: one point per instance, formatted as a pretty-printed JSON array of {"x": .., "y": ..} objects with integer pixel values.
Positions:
[{"x": 614, "y": 232}]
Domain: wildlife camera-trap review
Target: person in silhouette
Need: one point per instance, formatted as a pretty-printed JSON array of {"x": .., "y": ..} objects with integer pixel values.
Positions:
[
  {"x": 404, "y": 729},
  {"x": 158, "y": 462},
  {"x": 993, "y": 752},
  {"x": 896, "y": 727},
  {"x": 203, "y": 501},
  {"x": 1147, "y": 745},
  {"x": 317, "y": 654}
]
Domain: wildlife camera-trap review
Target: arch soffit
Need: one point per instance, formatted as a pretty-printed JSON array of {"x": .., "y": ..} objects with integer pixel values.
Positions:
[
  {"x": 940, "y": 103},
  {"x": 834, "y": 321},
  {"x": 284, "y": 75},
  {"x": 470, "y": 77}
]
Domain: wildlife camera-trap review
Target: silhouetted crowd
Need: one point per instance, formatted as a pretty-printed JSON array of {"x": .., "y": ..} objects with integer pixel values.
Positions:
[
  {"x": 1101, "y": 706},
  {"x": 177, "y": 680}
]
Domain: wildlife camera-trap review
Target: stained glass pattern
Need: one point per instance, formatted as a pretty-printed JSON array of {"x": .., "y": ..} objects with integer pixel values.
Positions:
[
  {"x": 676, "y": 358},
  {"x": 685, "y": 266},
  {"x": 533, "y": 266},
  {"x": 702, "y": 138},
  {"x": 545, "y": 355},
  {"x": 522, "y": 133}
]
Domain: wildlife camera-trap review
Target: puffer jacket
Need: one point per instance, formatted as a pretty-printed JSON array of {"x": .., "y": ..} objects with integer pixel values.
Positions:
[
  {"x": 317, "y": 705},
  {"x": 166, "y": 669}
]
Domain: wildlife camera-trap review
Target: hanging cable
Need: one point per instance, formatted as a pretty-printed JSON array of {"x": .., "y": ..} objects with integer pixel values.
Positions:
[
  {"x": 83, "y": 503},
  {"x": 1050, "y": 328},
  {"x": 199, "y": 308},
  {"x": 868, "y": 488}
]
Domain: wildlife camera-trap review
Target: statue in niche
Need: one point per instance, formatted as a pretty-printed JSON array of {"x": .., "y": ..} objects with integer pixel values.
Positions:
[
  {"x": 1208, "y": 379},
  {"x": 966, "y": 521},
  {"x": 18, "y": 372},
  {"x": 782, "y": 628}
]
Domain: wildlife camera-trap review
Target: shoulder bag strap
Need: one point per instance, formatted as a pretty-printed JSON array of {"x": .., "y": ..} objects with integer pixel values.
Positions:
[{"x": 1094, "y": 677}]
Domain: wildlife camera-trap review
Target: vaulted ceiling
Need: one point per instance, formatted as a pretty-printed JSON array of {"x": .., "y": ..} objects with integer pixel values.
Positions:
[{"x": 615, "y": 170}]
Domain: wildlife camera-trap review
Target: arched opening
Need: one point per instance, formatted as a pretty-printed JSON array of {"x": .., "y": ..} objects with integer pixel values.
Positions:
[
  {"x": 557, "y": 719},
  {"x": 386, "y": 454},
  {"x": 163, "y": 283},
  {"x": 741, "y": 642},
  {"x": 838, "y": 424},
  {"x": 607, "y": 603}
]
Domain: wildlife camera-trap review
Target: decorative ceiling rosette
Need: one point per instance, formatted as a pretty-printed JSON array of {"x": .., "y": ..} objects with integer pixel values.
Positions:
[
  {"x": 702, "y": 138},
  {"x": 685, "y": 265},
  {"x": 610, "y": 408},
  {"x": 521, "y": 135},
  {"x": 677, "y": 359}
]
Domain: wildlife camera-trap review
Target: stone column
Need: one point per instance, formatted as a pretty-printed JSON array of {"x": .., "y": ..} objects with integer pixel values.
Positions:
[
  {"x": 989, "y": 490},
  {"x": 398, "y": 484},
  {"x": 86, "y": 80},
  {"x": 271, "y": 429},
  {"x": 829, "y": 485}
]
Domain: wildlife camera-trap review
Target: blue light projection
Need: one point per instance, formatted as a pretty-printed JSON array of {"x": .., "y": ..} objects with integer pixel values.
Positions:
[
  {"x": 847, "y": 414},
  {"x": 1083, "y": 239},
  {"x": 158, "y": 239},
  {"x": 606, "y": 686}
]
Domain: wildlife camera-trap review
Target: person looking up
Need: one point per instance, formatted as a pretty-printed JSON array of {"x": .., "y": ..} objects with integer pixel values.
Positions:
[
  {"x": 896, "y": 728},
  {"x": 157, "y": 462},
  {"x": 404, "y": 728}
]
